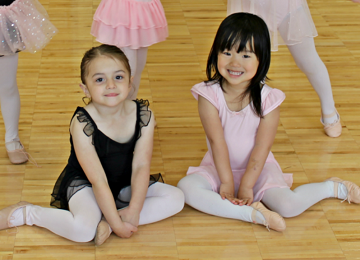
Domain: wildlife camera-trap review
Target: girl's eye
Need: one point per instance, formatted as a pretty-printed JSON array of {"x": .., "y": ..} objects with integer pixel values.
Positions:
[
  {"x": 227, "y": 53},
  {"x": 246, "y": 56},
  {"x": 99, "y": 80},
  {"x": 119, "y": 77}
]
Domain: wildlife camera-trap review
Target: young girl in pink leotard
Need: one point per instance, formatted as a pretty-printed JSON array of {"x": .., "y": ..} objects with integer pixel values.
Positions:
[
  {"x": 240, "y": 115},
  {"x": 290, "y": 23},
  {"x": 133, "y": 26}
]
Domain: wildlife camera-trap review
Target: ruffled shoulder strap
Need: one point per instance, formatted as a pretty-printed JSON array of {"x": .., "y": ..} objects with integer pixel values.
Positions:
[
  {"x": 83, "y": 117},
  {"x": 143, "y": 114}
]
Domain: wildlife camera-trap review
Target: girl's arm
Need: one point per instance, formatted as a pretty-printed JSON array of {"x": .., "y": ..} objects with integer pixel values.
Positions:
[
  {"x": 210, "y": 120},
  {"x": 263, "y": 142},
  {"x": 140, "y": 174},
  {"x": 90, "y": 163}
]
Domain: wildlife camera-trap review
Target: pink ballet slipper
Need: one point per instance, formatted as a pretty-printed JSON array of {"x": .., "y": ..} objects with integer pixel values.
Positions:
[
  {"x": 103, "y": 232},
  {"x": 353, "y": 190},
  {"x": 18, "y": 156},
  {"x": 6, "y": 213},
  {"x": 334, "y": 129},
  {"x": 272, "y": 219}
]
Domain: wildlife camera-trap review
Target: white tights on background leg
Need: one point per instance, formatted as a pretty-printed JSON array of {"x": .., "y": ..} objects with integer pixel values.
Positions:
[
  {"x": 79, "y": 224},
  {"x": 290, "y": 203},
  {"x": 309, "y": 62},
  {"x": 10, "y": 99},
  {"x": 137, "y": 61}
]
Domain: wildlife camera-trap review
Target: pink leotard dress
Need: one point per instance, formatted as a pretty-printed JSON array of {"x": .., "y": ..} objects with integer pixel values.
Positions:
[
  {"x": 130, "y": 23},
  {"x": 240, "y": 130},
  {"x": 299, "y": 21}
]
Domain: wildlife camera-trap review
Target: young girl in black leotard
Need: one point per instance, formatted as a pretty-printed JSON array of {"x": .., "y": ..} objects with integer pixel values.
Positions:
[{"x": 111, "y": 148}]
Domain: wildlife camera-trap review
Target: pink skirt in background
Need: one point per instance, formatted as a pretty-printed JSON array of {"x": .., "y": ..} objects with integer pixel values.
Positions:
[
  {"x": 130, "y": 23},
  {"x": 274, "y": 12},
  {"x": 24, "y": 26}
]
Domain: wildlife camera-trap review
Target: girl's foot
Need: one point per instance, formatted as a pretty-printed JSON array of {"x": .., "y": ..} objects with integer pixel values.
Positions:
[
  {"x": 332, "y": 125},
  {"x": 103, "y": 231},
  {"x": 270, "y": 219},
  {"x": 16, "y": 152},
  {"x": 346, "y": 190},
  {"x": 6, "y": 214}
]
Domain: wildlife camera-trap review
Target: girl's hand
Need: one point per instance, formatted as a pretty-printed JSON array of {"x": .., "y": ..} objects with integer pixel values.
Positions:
[
  {"x": 130, "y": 216},
  {"x": 356, "y": 1},
  {"x": 245, "y": 196},
  {"x": 227, "y": 192},
  {"x": 126, "y": 231}
]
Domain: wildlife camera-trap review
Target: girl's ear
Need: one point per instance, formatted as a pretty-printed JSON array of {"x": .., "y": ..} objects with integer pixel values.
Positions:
[
  {"x": 85, "y": 90},
  {"x": 131, "y": 81}
]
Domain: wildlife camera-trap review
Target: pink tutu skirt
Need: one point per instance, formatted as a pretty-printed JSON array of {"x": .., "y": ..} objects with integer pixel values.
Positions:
[
  {"x": 24, "y": 25},
  {"x": 130, "y": 23},
  {"x": 296, "y": 13}
]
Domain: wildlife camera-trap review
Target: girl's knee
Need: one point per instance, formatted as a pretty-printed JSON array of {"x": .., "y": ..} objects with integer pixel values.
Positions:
[
  {"x": 85, "y": 230},
  {"x": 176, "y": 199}
]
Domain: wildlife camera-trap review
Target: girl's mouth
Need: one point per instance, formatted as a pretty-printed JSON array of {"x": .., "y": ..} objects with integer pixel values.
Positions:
[
  {"x": 235, "y": 73},
  {"x": 111, "y": 95}
]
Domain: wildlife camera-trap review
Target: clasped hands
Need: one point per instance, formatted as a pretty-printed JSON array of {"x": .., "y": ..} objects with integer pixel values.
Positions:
[
  {"x": 130, "y": 219},
  {"x": 245, "y": 195}
]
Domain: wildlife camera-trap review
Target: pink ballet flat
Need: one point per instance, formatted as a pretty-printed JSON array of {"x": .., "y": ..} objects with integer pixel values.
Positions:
[
  {"x": 352, "y": 189},
  {"x": 272, "y": 219},
  {"x": 333, "y": 129},
  {"x": 6, "y": 213},
  {"x": 103, "y": 232},
  {"x": 18, "y": 156}
]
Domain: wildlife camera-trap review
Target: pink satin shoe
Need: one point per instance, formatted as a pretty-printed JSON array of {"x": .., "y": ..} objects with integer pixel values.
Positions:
[
  {"x": 272, "y": 219},
  {"x": 334, "y": 129},
  {"x": 103, "y": 232},
  {"x": 6, "y": 213},
  {"x": 352, "y": 189},
  {"x": 17, "y": 156}
]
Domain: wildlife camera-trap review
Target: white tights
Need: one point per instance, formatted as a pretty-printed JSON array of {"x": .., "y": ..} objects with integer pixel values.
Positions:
[
  {"x": 80, "y": 223},
  {"x": 309, "y": 62},
  {"x": 9, "y": 96},
  {"x": 137, "y": 60},
  {"x": 288, "y": 203}
]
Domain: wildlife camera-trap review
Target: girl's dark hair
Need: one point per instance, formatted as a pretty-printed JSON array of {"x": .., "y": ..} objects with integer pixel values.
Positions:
[
  {"x": 102, "y": 50},
  {"x": 241, "y": 28}
]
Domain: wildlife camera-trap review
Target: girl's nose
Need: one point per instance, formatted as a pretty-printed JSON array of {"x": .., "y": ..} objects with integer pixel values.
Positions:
[
  {"x": 235, "y": 62},
  {"x": 111, "y": 84}
]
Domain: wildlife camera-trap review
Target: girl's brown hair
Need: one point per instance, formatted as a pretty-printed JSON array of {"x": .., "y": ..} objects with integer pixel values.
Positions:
[{"x": 102, "y": 50}]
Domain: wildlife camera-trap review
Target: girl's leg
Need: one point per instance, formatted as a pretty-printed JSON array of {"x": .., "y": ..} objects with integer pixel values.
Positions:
[
  {"x": 309, "y": 62},
  {"x": 290, "y": 203},
  {"x": 137, "y": 61},
  {"x": 162, "y": 201},
  {"x": 79, "y": 224},
  {"x": 199, "y": 195},
  {"x": 9, "y": 98}
]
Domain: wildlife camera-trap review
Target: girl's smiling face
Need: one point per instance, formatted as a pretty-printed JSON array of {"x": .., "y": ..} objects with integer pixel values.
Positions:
[
  {"x": 108, "y": 82},
  {"x": 236, "y": 68}
]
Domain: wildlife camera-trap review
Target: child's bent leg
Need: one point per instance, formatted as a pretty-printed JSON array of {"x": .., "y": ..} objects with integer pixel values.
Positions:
[
  {"x": 162, "y": 201},
  {"x": 290, "y": 203},
  {"x": 199, "y": 195},
  {"x": 79, "y": 224},
  {"x": 9, "y": 97}
]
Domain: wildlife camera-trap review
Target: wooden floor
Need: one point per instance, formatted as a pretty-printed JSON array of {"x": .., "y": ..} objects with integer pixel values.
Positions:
[{"x": 48, "y": 83}]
